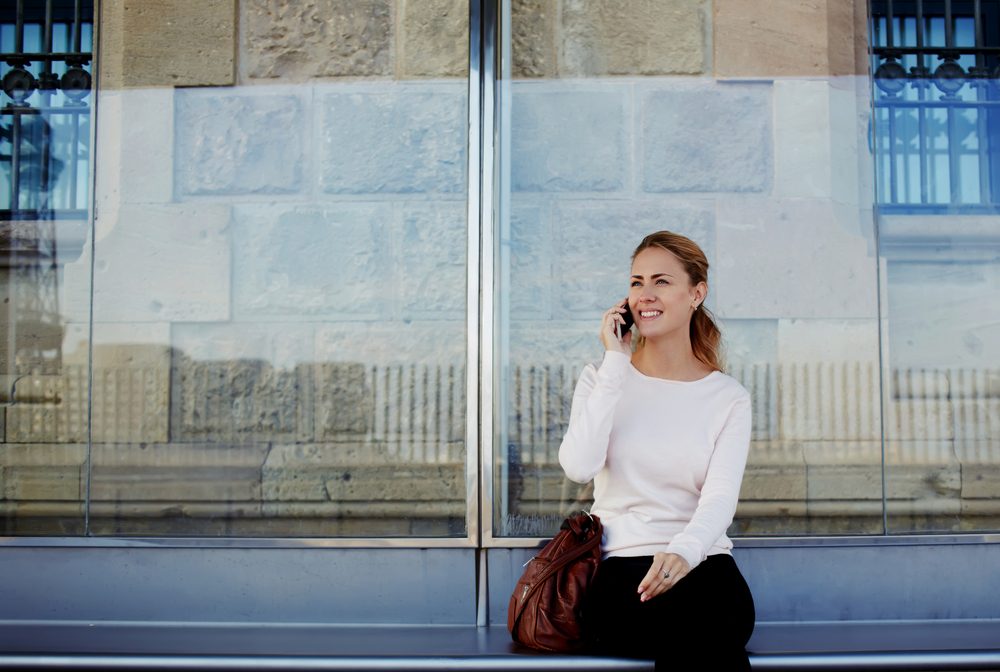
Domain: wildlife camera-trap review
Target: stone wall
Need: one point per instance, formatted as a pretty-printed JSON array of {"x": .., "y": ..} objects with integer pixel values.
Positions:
[{"x": 279, "y": 269}]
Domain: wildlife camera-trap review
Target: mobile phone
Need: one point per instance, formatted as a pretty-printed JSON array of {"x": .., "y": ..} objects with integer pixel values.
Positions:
[{"x": 627, "y": 316}]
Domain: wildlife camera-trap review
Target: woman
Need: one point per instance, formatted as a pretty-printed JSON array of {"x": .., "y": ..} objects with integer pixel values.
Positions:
[{"x": 664, "y": 433}]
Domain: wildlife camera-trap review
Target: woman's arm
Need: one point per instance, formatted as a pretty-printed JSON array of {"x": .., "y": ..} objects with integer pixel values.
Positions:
[
  {"x": 585, "y": 446},
  {"x": 721, "y": 490}
]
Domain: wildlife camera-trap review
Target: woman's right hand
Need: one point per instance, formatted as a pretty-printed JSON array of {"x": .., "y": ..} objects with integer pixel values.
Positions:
[{"x": 610, "y": 325}]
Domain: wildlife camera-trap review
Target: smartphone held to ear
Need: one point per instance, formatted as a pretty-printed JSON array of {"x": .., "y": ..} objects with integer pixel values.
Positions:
[{"x": 627, "y": 316}]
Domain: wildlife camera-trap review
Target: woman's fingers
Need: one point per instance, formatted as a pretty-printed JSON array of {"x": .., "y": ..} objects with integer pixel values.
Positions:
[
  {"x": 611, "y": 331},
  {"x": 666, "y": 570}
]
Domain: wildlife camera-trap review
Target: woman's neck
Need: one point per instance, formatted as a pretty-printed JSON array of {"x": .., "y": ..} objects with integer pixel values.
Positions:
[{"x": 673, "y": 361}]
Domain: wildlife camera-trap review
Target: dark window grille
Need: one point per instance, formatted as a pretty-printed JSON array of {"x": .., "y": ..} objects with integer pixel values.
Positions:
[
  {"x": 46, "y": 52},
  {"x": 936, "y": 66}
]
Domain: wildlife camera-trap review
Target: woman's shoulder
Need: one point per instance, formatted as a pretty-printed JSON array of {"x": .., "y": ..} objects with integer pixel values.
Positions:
[{"x": 730, "y": 385}]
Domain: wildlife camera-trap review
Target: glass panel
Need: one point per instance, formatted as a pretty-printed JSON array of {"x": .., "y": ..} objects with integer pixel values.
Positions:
[
  {"x": 280, "y": 276},
  {"x": 939, "y": 229},
  {"x": 715, "y": 125},
  {"x": 45, "y": 112}
]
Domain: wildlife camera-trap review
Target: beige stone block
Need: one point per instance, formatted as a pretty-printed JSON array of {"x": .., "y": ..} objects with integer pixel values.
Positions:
[
  {"x": 919, "y": 408},
  {"x": 980, "y": 462},
  {"x": 177, "y": 473},
  {"x": 55, "y": 408},
  {"x": 433, "y": 38},
  {"x": 42, "y": 472},
  {"x": 775, "y": 471},
  {"x": 168, "y": 43},
  {"x": 843, "y": 473},
  {"x": 300, "y": 39},
  {"x": 533, "y": 38},
  {"x": 639, "y": 37},
  {"x": 790, "y": 38},
  {"x": 827, "y": 401},
  {"x": 923, "y": 471}
]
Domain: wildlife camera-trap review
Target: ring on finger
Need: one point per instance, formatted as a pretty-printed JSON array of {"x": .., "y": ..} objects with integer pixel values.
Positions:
[{"x": 666, "y": 575}]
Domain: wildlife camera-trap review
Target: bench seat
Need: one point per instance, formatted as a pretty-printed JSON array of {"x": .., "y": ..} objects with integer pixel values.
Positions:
[{"x": 957, "y": 645}]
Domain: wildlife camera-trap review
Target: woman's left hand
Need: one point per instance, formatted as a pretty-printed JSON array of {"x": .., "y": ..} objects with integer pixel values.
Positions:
[{"x": 667, "y": 569}]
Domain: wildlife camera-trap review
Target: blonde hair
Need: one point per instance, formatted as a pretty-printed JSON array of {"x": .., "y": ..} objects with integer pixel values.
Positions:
[{"x": 706, "y": 339}]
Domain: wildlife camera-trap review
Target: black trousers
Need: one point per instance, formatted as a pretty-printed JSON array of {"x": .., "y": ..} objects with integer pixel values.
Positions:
[{"x": 702, "y": 623}]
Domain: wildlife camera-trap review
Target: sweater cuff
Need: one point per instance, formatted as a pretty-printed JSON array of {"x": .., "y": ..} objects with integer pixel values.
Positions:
[
  {"x": 613, "y": 367},
  {"x": 689, "y": 548}
]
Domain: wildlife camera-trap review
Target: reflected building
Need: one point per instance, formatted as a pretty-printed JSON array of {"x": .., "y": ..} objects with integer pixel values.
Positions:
[{"x": 306, "y": 273}]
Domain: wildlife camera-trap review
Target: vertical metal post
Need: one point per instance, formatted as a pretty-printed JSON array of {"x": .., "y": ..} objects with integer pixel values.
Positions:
[
  {"x": 949, "y": 28},
  {"x": 19, "y": 27},
  {"x": 77, "y": 27}
]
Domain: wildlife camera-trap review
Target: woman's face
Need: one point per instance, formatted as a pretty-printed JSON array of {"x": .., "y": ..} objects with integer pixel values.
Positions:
[{"x": 660, "y": 293}]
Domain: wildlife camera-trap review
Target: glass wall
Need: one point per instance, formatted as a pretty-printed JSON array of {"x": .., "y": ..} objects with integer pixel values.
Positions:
[{"x": 236, "y": 304}]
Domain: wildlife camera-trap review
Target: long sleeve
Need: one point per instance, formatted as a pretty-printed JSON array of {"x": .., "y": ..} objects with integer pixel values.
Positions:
[
  {"x": 585, "y": 446},
  {"x": 721, "y": 490}
]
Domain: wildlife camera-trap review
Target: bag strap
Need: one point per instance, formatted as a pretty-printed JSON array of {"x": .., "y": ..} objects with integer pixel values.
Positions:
[{"x": 555, "y": 565}]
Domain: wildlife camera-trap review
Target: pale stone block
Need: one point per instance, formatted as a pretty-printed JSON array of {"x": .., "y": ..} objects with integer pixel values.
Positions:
[
  {"x": 431, "y": 267},
  {"x": 919, "y": 406},
  {"x": 527, "y": 257},
  {"x": 297, "y": 261},
  {"x": 924, "y": 471},
  {"x": 980, "y": 469},
  {"x": 164, "y": 263},
  {"x": 595, "y": 241},
  {"x": 177, "y": 473},
  {"x": 227, "y": 144},
  {"x": 841, "y": 341},
  {"x": 942, "y": 313},
  {"x": 146, "y": 126},
  {"x": 300, "y": 39},
  {"x": 793, "y": 258},
  {"x": 533, "y": 40},
  {"x": 405, "y": 139},
  {"x": 783, "y": 39},
  {"x": 802, "y": 139},
  {"x": 43, "y": 473},
  {"x": 775, "y": 471},
  {"x": 714, "y": 138},
  {"x": 639, "y": 37},
  {"x": 830, "y": 402},
  {"x": 555, "y": 151},
  {"x": 975, "y": 419},
  {"x": 170, "y": 43},
  {"x": 344, "y": 400},
  {"x": 843, "y": 471},
  {"x": 388, "y": 343},
  {"x": 283, "y": 345},
  {"x": 434, "y": 38}
]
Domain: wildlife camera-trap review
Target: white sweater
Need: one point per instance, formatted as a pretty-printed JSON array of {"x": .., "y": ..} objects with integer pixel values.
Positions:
[{"x": 667, "y": 457}]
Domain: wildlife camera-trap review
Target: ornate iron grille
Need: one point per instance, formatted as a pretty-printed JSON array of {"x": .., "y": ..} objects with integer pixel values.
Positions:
[
  {"x": 936, "y": 66},
  {"x": 46, "y": 53}
]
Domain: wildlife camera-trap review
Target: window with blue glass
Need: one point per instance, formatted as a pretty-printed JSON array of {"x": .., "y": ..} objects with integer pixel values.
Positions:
[{"x": 936, "y": 66}]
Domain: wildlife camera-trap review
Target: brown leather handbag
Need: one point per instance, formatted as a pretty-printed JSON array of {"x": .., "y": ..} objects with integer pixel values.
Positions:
[{"x": 545, "y": 609}]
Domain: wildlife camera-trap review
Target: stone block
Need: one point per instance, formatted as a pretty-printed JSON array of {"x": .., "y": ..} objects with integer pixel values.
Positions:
[
  {"x": 980, "y": 462},
  {"x": 302, "y": 261},
  {"x": 595, "y": 241},
  {"x": 169, "y": 43},
  {"x": 533, "y": 38},
  {"x": 431, "y": 266},
  {"x": 296, "y": 39},
  {"x": 236, "y": 401},
  {"x": 163, "y": 264},
  {"x": 793, "y": 258},
  {"x": 919, "y": 406},
  {"x": 828, "y": 401},
  {"x": 801, "y": 39},
  {"x": 433, "y": 38},
  {"x": 714, "y": 138},
  {"x": 57, "y": 412},
  {"x": 639, "y": 37},
  {"x": 552, "y": 151},
  {"x": 775, "y": 471},
  {"x": 177, "y": 474},
  {"x": 405, "y": 140},
  {"x": 942, "y": 312},
  {"x": 43, "y": 473},
  {"x": 529, "y": 256},
  {"x": 927, "y": 472},
  {"x": 131, "y": 403},
  {"x": 843, "y": 471},
  {"x": 344, "y": 400},
  {"x": 226, "y": 142},
  {"x": 803, "y": 141},
  {"x": 387, "y": 343}
]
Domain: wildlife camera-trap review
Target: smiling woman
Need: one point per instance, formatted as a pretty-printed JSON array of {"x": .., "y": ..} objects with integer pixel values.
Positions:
[{"x": 664, "y": 434}]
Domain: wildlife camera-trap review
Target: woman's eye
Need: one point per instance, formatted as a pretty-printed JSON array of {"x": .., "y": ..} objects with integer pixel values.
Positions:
[
  {"x": 662, "y": 281},
  {"x": 635, "y": 283}
]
